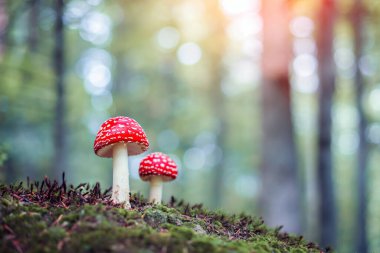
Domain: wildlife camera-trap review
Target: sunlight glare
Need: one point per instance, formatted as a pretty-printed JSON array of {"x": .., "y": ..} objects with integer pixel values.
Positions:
[
  {"x": 305, "y": 84},
  {"x": 253, "y": 49},
  {"x": 346, "y": 116},
  {"x": 348, "y": 142},
  {"x": 189, "y": 11},
  {"x": 344, "y": 58},
  {"x": 244, "y": 27},
  {"x": 189, "y": 53},
  {"x": 235, "y": 7},
  {"x": 302, "y": 26},
  {"x": 374, "y": 100},
  {"x": 194, "y": 159},
  {"x": 94, "y": 2},
  {"x": 305, "y": 65},
  {"x": 75, "y": 10},
  {"x": 94, "y": 67},
  {"x": 168, "y": 37},
  {"x": 242, "y": 77},
  {"x": 304, "y": 46},
  {"x": 95, "y": 27},
  {"x": 94, "y": 55},
  {"x": 243, "y": 72},
  {"x": 98, "y": 75}
]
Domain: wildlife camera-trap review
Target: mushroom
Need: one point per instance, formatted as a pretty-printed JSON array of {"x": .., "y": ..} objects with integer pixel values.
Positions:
[
  {"x": 157, "y": 168},
  {"x": 116, "y": 138}
]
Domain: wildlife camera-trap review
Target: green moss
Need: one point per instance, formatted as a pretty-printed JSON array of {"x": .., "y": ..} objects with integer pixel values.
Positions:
[
  {"x": 203, "y": 245},
  {"x": 48, "y": 226},
  {"x": 181, "y": 233}
]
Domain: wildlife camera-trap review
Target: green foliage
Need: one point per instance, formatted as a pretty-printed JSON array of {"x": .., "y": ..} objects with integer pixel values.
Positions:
[{"x": 34, "y": 222}]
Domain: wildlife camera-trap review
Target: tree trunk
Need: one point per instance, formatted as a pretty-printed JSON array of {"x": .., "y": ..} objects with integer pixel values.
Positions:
[
  {"x": 33, "y": 25},
  {"x": 358, "y": 27},
  {"x": 60, "y": 107},
  {"x": 3, "y": 26},
  {"x": 326, "y": 71},
  {"x": 218, "y": 106},
  {"x": 279, "y": 196},
  {"x": 217, "y": 100}
]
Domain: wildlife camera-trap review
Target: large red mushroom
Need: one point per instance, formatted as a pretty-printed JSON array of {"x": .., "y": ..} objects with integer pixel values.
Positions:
[
  {"x": 119, "y": 137},
  {"x": 157, "y": 168}
]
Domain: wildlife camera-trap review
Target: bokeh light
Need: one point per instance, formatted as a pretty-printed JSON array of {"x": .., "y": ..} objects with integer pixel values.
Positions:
[
  {"x": 305, "y": 65},
  {"x": 94, "y": 67},
  {"x": 374, "y": 100},
  {"x": 302, "y": 26},
  {"x": 194, "y": 159},
  {"x": 246, "y": 186},
  {"x": 373, "y": 133},
  {"x": 344, "y": 58},
  {"x": 235, "y": 7},
  {"x": 366, "y": 65},
  {"x": 348, "y": 142},
  {"x": 189, "y": 53},
  {"x": 75, "y": 10},
  {"x": 305, "y": 84},
  {"x": 168, "y": 37},
  {"x": 95, "y": 27},
  {"x": 244, "y": 27},
  {"x": 304, "y": 46}
]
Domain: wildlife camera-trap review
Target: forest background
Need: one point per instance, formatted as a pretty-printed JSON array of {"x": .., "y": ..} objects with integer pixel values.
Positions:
[{"x": 270, "y": 108}]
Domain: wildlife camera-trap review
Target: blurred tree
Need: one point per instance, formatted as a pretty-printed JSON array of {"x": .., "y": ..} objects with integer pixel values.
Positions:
[
  {"x": 279, "y": 197},
  {"x": 60, "y": 106},
  {"x": 179, "y": 104},
  {"x": 358, "y": 29},
  {"x": 15, "y": 11},
  {"x": 215, "y": 52},
  {"x": 3, "y": 25},
  {"x": 326, "y": 72},
  {"x": 33, "y": 24}
]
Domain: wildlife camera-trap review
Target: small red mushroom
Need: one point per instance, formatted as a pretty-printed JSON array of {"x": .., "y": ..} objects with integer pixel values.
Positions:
[
  {"x": 116, "y": 138},
  {"x": 157, "y": 168}
]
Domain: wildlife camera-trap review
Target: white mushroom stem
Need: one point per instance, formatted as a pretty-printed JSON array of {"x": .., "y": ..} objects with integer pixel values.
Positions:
[
  {"x": 155, "y": 194},
  {"x": 120, "y": 181}
]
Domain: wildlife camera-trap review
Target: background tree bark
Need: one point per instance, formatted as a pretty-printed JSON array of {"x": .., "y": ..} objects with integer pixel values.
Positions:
[
  {"x": 326, "y": 72},
  {"x": 279, "y": 196},
  {"x": 33, "y": 25},
  {"x": 3, "y": 26},
  {"x": 358, "y": 29},
  {"x": 218, "y": 103},
  {"x": 60, "y": 106}
]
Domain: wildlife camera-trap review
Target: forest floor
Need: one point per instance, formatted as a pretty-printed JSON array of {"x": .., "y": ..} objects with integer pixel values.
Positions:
[{"x": 50, "y": 217}]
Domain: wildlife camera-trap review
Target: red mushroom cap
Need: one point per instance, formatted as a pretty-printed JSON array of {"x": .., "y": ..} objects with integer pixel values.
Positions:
[
  {"x": 120, "y": 129},
  {"x": 158, "y": 164}
]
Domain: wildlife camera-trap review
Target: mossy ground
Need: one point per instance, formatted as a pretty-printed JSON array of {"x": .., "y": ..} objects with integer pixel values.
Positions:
[{"x": 51, "y": 217}]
